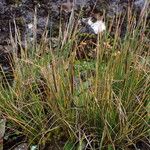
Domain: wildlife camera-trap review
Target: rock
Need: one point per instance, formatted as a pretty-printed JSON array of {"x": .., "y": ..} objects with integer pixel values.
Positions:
[
  {"x": 22, "y": 12},
  {"x": 140, "y": 3},
  {"x": 6, "y": 65},
  {"x": 22, "y": 146}
]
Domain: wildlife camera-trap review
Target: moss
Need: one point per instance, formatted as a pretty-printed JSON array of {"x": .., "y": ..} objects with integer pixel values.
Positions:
[
  {"x": 11, "y": 2},
  {"x": 20, "y": 21}
]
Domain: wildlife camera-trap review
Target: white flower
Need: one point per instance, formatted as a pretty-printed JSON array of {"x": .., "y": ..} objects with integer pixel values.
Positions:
[
  {"x": 30, "y": 25},
  {"x": 97, "y": 26}
]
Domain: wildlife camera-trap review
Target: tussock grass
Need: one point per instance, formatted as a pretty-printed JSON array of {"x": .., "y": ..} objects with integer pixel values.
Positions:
[{"x": 99, "y": 103}]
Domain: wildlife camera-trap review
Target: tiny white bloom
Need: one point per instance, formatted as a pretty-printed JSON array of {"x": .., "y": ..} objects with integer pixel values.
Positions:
[
  {"x": 31, "y": 39},
  {"x": 90, "y": 22},
  {"x": 97, "y": 26},
  {"x": 30, "y": 25},
  {"x": 34, "y": 147}
]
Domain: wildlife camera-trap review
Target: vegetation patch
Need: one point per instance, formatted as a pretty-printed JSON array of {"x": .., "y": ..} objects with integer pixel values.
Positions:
[{"x": 64, "y": 98}]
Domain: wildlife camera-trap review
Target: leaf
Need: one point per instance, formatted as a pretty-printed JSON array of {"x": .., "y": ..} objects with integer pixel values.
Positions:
[
  {"x": 2, "y": 127},
  {"x": 2, "y": 131},
  {"x": 69, "y": 146}
]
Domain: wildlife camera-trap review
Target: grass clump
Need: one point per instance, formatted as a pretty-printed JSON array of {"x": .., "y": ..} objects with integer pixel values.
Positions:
[{"x": 60, "y": 102}]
